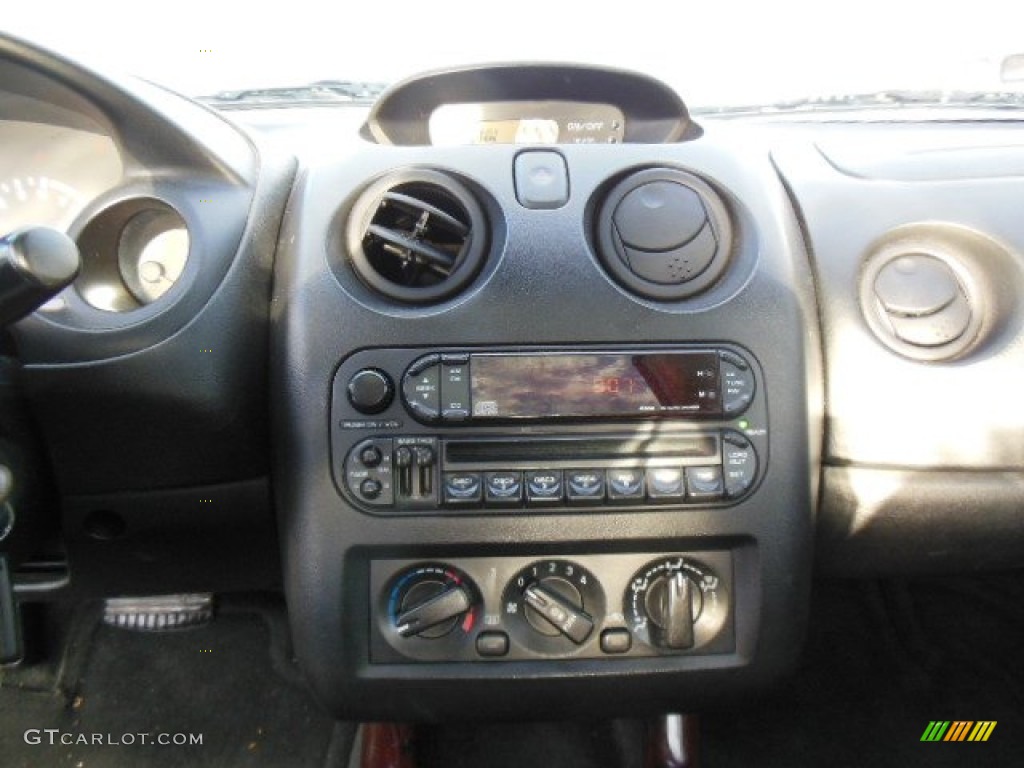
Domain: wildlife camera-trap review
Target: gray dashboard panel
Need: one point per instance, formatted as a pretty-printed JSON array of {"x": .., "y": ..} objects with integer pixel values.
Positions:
[{"x": 923, "y": 460}]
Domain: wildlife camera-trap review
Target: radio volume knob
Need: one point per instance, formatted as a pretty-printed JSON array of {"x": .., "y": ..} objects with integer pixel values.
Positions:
[{"x": 370, "y": 390}]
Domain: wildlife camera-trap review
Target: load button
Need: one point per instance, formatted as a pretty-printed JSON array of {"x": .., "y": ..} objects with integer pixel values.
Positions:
[{"x": 739, "y": 463}]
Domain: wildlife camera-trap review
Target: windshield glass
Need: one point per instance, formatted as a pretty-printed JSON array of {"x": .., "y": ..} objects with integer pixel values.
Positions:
[{"x": 716, "y": 54}]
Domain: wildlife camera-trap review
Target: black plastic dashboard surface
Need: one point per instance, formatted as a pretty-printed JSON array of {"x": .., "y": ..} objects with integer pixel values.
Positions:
[{"x": 542, "y": 285}]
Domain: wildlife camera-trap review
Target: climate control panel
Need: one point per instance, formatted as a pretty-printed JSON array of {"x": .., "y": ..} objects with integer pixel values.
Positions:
[{"x": 514, "y": 608}]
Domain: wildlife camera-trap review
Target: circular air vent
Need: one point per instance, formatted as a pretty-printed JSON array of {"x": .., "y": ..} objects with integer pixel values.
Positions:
[
  {"x": 417, "y": 236},
  {"x": 926, "y": 290},
  {"x": 664, "y": 234}
]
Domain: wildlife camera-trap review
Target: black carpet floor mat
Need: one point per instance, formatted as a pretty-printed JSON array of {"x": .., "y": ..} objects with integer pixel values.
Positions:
[{"x": 119, "y": 694}]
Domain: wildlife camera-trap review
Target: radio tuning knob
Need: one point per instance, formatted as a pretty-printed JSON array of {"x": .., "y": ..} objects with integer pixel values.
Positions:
[{"x": 370, "y": 390}]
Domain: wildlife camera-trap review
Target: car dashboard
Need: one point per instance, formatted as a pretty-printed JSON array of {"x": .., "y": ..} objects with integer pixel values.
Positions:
[{"x": 533, "y": 392}]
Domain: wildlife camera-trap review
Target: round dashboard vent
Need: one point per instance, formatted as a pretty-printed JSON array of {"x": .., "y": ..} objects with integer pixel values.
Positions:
[
  {"x": 417, "y": 236},
  {"x": 664, "y": 234},
  {"x": 927, "y": 291}
]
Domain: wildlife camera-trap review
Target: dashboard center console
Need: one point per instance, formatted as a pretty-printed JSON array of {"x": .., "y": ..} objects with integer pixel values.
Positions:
[
  {"x": 510, "y": 433},
  {"x": 546, "y": 415}
]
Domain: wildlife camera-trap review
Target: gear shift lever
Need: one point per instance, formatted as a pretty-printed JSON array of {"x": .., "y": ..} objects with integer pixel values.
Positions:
[{"x": 36, "y": 263}]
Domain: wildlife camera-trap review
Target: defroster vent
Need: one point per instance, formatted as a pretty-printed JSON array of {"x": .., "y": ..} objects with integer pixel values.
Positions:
[{"x": 417, "y": 236}]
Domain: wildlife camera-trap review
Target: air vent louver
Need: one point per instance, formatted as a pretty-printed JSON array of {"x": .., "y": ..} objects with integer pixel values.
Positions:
[
  {"x": 664, "y": 234},
  {"x": 417, "y": 236}
]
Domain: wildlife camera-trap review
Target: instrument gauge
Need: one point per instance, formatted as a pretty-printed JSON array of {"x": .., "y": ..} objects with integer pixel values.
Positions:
[{"x": 37, "y": 201}]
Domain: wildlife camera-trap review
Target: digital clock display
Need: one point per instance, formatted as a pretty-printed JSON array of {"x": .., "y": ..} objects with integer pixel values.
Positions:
[
  {"x": 527, "y": 122},
  {"x": 595, "y": 385}
]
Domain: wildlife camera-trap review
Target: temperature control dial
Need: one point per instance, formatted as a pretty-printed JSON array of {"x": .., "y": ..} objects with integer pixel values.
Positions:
[
  {"x": 676, "y": 604},
  {"x": 552, "y": 606},
  {"x": 432, "y": 602}
]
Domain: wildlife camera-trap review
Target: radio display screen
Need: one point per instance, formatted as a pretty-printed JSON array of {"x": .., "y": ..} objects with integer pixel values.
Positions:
[{"x": 595, "y": 385}]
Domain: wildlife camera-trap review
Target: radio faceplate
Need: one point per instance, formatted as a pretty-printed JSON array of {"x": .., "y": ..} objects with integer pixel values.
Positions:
[
  {"x": 561, "y": 385},
  {"x": 600, "y": 430}
]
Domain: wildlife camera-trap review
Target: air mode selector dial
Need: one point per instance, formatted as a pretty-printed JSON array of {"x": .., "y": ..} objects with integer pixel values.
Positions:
[
  {"x": 675, "y": 604},
  {"x": 672, "y": 605}
]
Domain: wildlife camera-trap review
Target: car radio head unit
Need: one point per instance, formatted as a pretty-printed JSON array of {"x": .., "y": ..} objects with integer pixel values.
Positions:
[{"x": 538, "y": 429}]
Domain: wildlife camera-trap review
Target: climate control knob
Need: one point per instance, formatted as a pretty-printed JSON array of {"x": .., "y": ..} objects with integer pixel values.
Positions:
[
  {"x": 672, "y": 608},
  {"x": 432, "y": 601},
  {"x": 552, "y": 606},
  {"x": 675, "y": 604}
]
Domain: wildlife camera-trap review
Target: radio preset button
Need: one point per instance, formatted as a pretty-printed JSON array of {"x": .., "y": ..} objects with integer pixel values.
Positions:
[
  {"x": 544, "y": 486},
  {"x": 739, "y": 463},
  {"x": 665, "y": 483},
  {"x": 626, "y": 484},
  {"x": 704, "y": 483},
  {"x": 503, "y": 487},
  {"x": 584, "y": 485},
  {"x": 462, "y": 488},
  {"x": 421, "y": 389}
]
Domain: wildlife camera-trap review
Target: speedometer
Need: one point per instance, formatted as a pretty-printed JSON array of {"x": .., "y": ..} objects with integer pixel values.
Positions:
[{"x": 37, "y": 201}]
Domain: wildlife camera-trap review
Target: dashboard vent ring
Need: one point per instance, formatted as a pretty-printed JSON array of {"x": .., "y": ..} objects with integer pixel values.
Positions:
[
  {"x": 417, "y": 236},
  {"x": 664, "y": 234}
]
